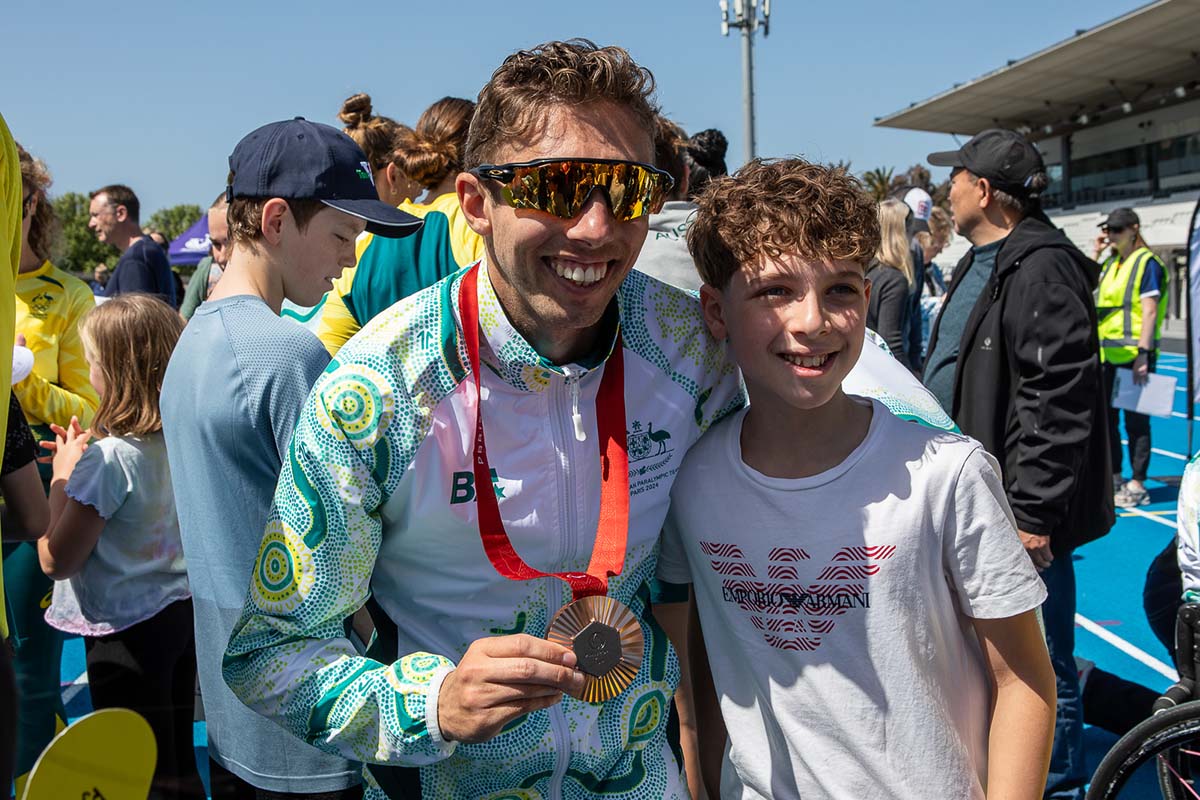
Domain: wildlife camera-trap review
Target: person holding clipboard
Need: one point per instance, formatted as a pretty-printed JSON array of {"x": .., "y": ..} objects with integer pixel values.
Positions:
[{"x": 1130, "y": 307}]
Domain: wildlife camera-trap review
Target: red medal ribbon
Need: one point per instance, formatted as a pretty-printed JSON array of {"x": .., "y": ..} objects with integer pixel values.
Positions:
[{"x": 608, "y": 555}]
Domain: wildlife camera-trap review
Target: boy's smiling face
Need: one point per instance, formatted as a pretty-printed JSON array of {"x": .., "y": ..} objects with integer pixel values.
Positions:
[{"x": 795, "y": 326}]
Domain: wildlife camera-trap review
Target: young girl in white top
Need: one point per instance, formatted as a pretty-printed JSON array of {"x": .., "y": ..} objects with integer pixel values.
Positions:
[{"x": 113, "y": 544}]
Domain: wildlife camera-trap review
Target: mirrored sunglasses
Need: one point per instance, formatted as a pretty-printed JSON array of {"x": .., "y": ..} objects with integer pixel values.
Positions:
[{"x": 562, "y": 186}]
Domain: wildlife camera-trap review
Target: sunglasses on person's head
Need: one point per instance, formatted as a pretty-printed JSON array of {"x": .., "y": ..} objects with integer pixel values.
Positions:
[
  {"x": 562, "y": 186},
  {"x": 25, "y": 204}
]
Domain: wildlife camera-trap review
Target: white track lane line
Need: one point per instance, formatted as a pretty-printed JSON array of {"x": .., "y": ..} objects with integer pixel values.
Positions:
[
  {"x": 1170, "y": 368},
  {"x": 1152, "y": 517},
  {"x": 76, "y": 686},
  {"x": 1166, "y": 453},
  {"x": 1125, "y": 647}
]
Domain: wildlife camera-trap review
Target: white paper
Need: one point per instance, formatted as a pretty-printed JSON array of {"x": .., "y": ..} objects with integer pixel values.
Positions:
[
  {"x": 22, "y": 363},
  {"x": 1155, "y": 397}
]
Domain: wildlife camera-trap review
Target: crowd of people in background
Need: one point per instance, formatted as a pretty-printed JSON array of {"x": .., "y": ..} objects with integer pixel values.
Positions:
[{"x": 287, "y": 513}]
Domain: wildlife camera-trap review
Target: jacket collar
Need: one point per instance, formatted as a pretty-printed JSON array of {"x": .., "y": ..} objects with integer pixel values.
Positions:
[
  {"x": 510, "y": 356},
  {"x": 1035, "y": 233}
]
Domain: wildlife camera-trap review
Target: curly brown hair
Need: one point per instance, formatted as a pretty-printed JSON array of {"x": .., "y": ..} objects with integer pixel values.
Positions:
[
  {"x": 129, "y": 339},
  {"x": 44, "y": 228},
  {"x": 777, "y": 206},
  {"x": 434, "y": 149},
  {"x": 570, "y": 73}
]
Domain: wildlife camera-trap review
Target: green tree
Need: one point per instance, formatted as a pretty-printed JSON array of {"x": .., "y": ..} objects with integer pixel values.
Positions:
[
  {"x": 878, "y": 182},
  {"x": 173, "y": 221},
  {"x": 919, "y": 175},
  {"x": 79, "y": 250}
]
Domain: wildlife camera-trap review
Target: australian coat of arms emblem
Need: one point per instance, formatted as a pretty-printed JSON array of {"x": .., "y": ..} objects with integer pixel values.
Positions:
[{"x": 647, "y": 443}]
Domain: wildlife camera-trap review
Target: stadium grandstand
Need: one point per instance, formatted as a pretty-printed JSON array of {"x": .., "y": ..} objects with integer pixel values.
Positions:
[{"x": 1115, "y": 111}]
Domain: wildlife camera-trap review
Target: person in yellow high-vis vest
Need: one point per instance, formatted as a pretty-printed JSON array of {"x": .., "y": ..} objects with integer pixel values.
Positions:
[{"x": 1130, "y": 307}]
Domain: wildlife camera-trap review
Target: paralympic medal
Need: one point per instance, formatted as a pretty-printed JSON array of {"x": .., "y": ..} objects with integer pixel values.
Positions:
[
  {"x": 604, "y": 634},
  {"x": 606, "y": 638}
]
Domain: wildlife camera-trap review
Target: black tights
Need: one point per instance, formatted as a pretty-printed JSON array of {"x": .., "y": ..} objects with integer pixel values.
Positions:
[
  {"x": 151, "y": 669},
  {"x": 227, "y": 786},
  {"x": 1137, "y": 426}
]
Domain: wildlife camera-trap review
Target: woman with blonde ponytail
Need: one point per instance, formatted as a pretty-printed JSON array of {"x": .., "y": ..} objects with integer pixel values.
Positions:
[
  {"x": 891, "y": 277},
  {"x": 388, "y": 270}
]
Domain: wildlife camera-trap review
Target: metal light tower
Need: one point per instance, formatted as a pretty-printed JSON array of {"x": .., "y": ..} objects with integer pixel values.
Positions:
[{"x": 745, "y": 17}]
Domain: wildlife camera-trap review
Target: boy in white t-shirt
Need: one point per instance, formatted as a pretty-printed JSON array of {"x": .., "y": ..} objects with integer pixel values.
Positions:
[{"x": 868, "y": 612}]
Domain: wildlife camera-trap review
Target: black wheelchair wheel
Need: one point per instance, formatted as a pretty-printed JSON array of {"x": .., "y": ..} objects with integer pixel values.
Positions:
[{"x": 1170, "y": 741}]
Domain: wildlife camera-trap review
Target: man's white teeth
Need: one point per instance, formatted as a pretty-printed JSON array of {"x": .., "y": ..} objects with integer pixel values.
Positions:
[
  {"x": 807, "y": 361},
  {"x": 581, "y": 275}
]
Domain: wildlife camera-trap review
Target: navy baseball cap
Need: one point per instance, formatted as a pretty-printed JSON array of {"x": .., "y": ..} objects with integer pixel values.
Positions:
[
  {"x": 296, "y": 159},
  {"x": 1002, "y": 156}
]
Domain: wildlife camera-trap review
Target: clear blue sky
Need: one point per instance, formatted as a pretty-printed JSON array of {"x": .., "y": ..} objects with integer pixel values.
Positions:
[{"x": 155, "y": 94}]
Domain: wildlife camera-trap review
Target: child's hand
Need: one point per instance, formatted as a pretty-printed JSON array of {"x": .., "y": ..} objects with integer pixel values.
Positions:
[{"x": 67, "y": 447}]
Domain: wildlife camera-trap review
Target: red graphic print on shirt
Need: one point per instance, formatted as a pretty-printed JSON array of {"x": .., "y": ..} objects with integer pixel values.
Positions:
[{"x": 792, "y": 615}]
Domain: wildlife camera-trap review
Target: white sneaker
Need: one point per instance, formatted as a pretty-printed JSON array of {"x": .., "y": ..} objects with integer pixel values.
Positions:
[{"x": 1131, "y": 497}]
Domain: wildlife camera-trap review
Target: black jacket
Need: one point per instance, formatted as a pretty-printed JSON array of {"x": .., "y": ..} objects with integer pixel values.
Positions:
[
  {"x": 1028, "y": 384},
  {"x": 887, "y": 311}
]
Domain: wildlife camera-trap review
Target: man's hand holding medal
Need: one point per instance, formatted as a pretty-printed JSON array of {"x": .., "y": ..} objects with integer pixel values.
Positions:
[{"x": 501, "y": 678}]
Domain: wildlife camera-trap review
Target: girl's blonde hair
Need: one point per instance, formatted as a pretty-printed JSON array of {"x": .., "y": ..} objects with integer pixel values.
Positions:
[
  {"x": 128, "y": 340},
  {"x": 893, "y": 241}
]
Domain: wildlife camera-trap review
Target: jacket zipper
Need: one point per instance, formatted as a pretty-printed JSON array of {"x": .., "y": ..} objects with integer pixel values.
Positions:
[
  {"x": 568, "y": 429},
  {"x": 559, "y": 731}
]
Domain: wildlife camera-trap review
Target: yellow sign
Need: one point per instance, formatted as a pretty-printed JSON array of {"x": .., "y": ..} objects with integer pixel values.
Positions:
[{"x": 107, "y": 755}]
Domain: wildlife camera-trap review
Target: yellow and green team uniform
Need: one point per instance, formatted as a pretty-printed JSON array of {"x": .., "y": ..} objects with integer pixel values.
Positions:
[
  {"x": 10, "y": 258},
  {"x": 49, "y": 306},
  {"x": 11, "y": 196},
  {"x": 1120, "y": 309},
  {"x": 388, "y": 270}
]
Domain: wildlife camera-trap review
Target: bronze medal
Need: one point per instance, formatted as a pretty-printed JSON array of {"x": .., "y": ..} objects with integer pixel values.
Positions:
[
  {"x": 606, "y": 638},
  {"x": 603, "y": 633}
]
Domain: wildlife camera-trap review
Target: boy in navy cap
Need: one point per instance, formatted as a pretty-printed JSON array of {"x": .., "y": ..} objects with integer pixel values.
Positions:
[{"x": 299, "y": 194}]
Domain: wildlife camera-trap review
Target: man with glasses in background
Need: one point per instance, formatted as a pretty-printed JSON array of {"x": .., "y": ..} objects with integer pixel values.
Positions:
[
  {"x": 508, "y": 575},
  {"x": 143, "y": 267}
]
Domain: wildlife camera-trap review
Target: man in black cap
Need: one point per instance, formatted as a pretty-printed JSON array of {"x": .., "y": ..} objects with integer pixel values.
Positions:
[
  {"x": 1014, "y": 356},
  {"x": 1129, "y": 332}
]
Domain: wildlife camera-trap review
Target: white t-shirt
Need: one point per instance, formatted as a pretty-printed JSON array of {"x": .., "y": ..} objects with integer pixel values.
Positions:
[
  {"x": 136, "y": 569},
  {"x": 836, "y": 608}
]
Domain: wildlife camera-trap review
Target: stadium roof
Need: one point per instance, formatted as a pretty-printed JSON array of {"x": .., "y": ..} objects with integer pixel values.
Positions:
[{"x": 1140, "y": 58}]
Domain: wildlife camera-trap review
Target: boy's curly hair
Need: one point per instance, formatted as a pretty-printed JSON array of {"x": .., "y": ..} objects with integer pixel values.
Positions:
[
  {"x": 777, "y": 206},
  {"x": 574, "y": 72}
]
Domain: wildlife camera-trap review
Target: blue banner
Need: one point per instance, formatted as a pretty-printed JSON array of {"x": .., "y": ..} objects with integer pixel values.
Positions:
[{"x": 192, "y": 245}]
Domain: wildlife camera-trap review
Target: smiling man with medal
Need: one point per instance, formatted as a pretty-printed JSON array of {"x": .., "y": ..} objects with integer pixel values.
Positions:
[{"x": 509, "y": 574}]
